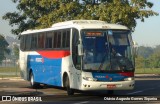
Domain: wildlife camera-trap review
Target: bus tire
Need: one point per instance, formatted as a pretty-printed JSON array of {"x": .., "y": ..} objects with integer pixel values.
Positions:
[
  {"x": 32, "y": 82},
  {"x": 67, "y": 85}
]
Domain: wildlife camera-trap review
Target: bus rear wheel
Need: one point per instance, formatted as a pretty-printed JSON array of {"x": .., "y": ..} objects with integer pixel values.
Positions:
[
  {"x": 32, "y": 81},
  {"x": 67, "y": 85}
]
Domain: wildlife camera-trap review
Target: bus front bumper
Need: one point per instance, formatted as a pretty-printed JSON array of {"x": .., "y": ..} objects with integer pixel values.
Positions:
[{"x": 96, "y": 85}]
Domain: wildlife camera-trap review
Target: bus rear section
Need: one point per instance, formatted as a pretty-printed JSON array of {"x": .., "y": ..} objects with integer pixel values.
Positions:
[
  {"x": 47, "y": 66},
  {"x": 41, "y": 56}
]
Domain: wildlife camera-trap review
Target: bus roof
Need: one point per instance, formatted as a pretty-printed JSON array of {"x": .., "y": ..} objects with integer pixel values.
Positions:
[{"x": 79, "y": 24}]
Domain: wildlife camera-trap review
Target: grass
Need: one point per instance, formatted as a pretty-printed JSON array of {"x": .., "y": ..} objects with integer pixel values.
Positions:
[
  {"x": 9, "y": 72},
  {"x": 9, "y": 69},
  {"x": 148, "y": 71}
]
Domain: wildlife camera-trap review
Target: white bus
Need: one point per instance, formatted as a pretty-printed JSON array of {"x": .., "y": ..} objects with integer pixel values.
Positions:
[{"x": 79, "y": 55}]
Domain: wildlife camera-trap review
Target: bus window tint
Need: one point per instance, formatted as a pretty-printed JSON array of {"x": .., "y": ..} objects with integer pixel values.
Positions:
[
  {"x": 22, "y": 43},
  {"x": 34, "y": 41},
  {"x": 55, "y": 41},
  {"x": 75, "y": 56},
  {"x": 48, "y": 41},
  {"x": 41, "y": 40},
  {"x": 28, "y": 42},
  {"x": 68, "y": 39},
  {"x": 119, "y": 38},
  {"x": 59, "y": 40},
  {"x": 64, "y": 39}
]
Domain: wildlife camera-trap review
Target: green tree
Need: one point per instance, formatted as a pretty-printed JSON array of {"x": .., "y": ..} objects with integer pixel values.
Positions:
[
  {"x": 148, "y": 56},
  {"x": 43, "y": 13},
  {"x": 157, "y": 49},
  {"x": 3, "y": 48},
  {"x": 157, "y": 56},
  {"x": 155, "y": 59},
  {"x": 145, "y": 52},
  {"x": 139, "y": 62},
  {"x": 16, "y": 51}
]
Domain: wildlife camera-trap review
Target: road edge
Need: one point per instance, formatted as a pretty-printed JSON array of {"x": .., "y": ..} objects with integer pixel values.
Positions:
[{"x": 11, "y": 78}]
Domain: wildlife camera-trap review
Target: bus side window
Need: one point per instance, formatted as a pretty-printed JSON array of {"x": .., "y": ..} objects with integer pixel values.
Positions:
[
  {"x": 28, "y": 42},
  {"x": 55, "y": 41},
  {"x": 68, "y": 39},
  {"x": 59, "y": 40},
  {"x": 64, "y": 35},
  {"x": 34, "y": 42},
  {"x": 41, "y": 41},
  {"x": 49, "y": 39},
  {"x": 75, "y": 57},
  {"x": 22, "y": 43}
]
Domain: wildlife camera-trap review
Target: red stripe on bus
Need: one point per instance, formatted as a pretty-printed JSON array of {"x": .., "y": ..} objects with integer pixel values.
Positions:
[
  {"x": 128, "y": 74},
  {"x": 54, "y": 54}
]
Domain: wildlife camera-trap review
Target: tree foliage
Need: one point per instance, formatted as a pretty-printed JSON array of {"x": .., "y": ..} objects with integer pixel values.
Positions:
[
  {"x": 155, "y": 61},
  {"x": 148, "y": 57},
  {"x": 139, "y": 62},
  {"x": 16, "y": 51},
  {"x": 43, "y": 13},
  {"x": 145, "y": 51},
  {"x": 3, "y": 48}
]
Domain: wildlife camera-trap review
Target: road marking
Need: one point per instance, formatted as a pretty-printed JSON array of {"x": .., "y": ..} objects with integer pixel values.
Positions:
[
  {"x": 134, "y": 92},
  {"x": 82, "y": 102},
  {"x": 140, "y": 91}
]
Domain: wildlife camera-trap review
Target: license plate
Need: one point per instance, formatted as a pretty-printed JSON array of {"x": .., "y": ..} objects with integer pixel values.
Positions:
[{"x": 111, "y": 86}]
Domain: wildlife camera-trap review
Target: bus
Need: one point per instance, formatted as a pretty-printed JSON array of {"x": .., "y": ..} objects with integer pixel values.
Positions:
[{"x": 84, "y": 55}]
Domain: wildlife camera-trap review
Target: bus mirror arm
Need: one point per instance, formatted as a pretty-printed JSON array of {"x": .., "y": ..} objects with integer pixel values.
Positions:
[{"x": 80, "y": 50}]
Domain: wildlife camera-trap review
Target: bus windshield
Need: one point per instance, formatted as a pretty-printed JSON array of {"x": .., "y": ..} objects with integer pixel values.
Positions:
[{"x": 107, "y": 50}]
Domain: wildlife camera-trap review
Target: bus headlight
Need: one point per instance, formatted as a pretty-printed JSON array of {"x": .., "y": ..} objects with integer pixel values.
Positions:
[
  {"x": 89, "y": 79},
  {"x": 129, "y": 79}
]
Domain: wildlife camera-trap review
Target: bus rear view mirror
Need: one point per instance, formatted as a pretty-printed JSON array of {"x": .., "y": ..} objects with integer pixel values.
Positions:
[
  {"x": 110, "y": 32},
  {"x": 80, "y": 50}
]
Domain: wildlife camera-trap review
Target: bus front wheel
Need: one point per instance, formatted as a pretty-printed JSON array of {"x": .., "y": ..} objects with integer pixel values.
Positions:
[
  {"x": 67, "y": 85},
  {"x": 32, "y": 81}
]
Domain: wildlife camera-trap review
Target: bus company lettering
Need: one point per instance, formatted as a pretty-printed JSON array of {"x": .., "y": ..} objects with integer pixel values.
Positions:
[
  {"x": 39, "y": 59},
  {"x": 100, "y": 76}
]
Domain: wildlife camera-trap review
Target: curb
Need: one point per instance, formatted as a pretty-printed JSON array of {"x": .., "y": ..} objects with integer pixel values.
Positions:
[
  {"x": 147, "y": 74},
  {"x": 12, "y": 78}
]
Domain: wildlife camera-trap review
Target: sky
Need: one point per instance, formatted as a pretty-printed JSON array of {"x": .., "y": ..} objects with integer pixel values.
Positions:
[{"x": 146, "y": 33}]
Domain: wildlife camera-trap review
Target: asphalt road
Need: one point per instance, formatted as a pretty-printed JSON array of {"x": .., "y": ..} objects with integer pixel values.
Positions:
[{"x": 147, "y": 90}]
